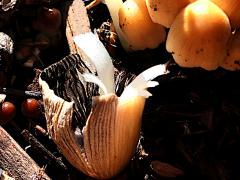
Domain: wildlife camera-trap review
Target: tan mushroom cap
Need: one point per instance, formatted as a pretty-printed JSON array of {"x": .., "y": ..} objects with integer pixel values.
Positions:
[
  {"x": 232, "y": 9},
  {"x": 164, "y": 12},
  {"x": 232, "y": 61},
  {"x": 136, "y": 24},
  {"x": 199, "y": 36}
]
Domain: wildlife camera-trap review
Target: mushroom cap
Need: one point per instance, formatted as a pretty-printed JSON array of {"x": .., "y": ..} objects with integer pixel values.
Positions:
[
  {"x": 232, "y": 61},
  {"x": 232, "y": 9},
  {"x": 199, "y": 36},
  {"x": 137, "y": 26},
  {"x": 90, "y": 130},
  {"x": 164, "y": 12}
]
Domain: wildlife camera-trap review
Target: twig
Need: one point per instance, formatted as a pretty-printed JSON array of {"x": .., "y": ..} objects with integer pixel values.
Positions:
[
  {"x": 37, "y": 146},
  {"x": 10, "y": 91}
]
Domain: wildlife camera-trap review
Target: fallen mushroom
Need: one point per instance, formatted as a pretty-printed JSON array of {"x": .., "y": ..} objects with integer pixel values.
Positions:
[
  {"x": 231, "y": 8},
  {"x": 232, "y": 61},
  {"x": 113, "y": 123},
  {"x": 164, "y": 12},
  {"x": 137, "y": 26},
  {"x": 199, "y": 36}
]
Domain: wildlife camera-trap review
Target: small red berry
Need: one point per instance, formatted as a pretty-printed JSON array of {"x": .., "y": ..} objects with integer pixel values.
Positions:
[
  {"x": 48, "y": 20},
  {"x": 7, "y": 112},
  {"x": 31, "y": 108}
]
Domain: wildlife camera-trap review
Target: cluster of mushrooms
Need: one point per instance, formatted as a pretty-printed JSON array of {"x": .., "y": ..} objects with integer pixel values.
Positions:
[{"x": 202, "y": 33}]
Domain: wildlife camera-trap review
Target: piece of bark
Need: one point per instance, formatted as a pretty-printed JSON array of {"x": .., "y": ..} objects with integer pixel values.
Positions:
[
  {"x": 16, "y": 161},
  {"x": 165, "y": 169},
  {"x": 77, "y": 22}
]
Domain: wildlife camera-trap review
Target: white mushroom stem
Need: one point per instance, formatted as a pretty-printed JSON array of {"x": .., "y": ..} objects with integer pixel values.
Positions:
[
  {"x": 143, "y": 81},
  {"x": 95, "y": 50},
  {"x": 113, "y": 7}
]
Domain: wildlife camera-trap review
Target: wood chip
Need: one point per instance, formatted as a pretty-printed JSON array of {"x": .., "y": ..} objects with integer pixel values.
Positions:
[
  {"x": 165, "y": 169},
  {"x": 77, "y": 23}
]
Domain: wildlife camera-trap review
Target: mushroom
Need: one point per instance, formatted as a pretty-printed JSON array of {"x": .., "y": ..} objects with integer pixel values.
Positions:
[
  {"x": 113, "y": 123},
  {"x": 232, "y": 61},
  {"x": 231, "y": 8},
  {"x": 137, "y": 26},
  {"x": 164, "y": 12},
  {"x": 199, "y": 36}
]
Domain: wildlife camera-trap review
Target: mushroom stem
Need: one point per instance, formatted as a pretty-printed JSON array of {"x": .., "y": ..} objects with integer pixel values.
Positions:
[
  {"x": 113, "y": 7},
  {"x": 95, "y": 50}
]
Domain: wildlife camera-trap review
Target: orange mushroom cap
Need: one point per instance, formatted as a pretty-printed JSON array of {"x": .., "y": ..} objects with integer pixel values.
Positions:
[
  {"x": 137, "y": 26},
  {"x": 164, "y": 12},
  {"x": 199, "y": 36}
]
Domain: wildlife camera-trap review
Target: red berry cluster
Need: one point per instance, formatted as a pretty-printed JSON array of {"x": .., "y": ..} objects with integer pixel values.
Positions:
[{"x": 30, "y": 108}]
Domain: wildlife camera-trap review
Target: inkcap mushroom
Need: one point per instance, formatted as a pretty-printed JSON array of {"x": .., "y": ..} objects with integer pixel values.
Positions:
[{"x": 114, "y": 122}]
